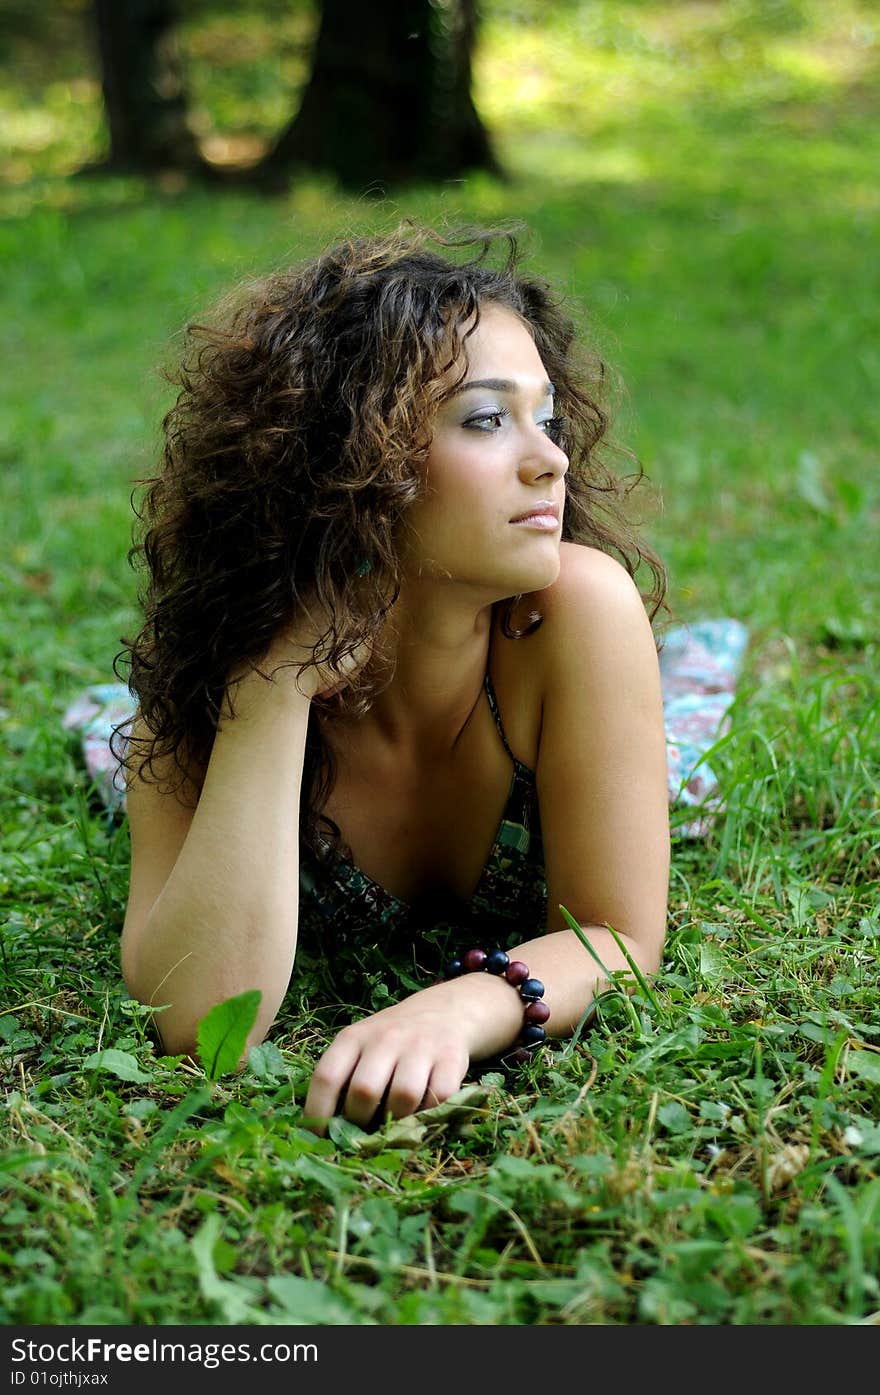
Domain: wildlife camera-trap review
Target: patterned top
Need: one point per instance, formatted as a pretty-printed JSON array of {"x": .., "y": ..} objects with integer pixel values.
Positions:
[{"x": 340, "y": 905}]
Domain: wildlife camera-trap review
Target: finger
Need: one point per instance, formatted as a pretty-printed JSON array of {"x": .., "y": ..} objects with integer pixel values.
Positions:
[
  {"x": 367, "y": 1088},
  {"x": 407, "y": 1088},
  {"x": 329, "y": 1080},
  {"x": 444, "y": 1080}
]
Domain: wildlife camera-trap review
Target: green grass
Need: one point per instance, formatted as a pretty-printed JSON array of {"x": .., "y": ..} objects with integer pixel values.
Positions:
[{"x": 701, "y": 179}]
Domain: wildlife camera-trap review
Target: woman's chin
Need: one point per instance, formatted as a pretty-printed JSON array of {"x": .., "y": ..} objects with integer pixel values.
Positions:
[
  {"x": 529, "y": 571},
  {"x": 541, "y": 571}
]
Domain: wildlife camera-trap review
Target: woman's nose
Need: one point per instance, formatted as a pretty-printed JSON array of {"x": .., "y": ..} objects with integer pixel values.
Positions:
[{"x": 543, "y": 458}]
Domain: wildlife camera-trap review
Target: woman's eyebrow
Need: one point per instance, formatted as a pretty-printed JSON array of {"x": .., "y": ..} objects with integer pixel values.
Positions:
[{"x": 495, "y": 385}]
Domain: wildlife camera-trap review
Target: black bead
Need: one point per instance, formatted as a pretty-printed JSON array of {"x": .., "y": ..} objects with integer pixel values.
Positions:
[
  {"x": 497, "y": 961},
  {"x": 532, "y": 988},
  {"x": 453, "y": 969},
  {"x": 531, "y": 1034}
]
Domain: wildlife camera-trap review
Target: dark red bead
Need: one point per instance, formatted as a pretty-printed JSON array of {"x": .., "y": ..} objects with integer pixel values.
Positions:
[
  {"x": 531, "y": 988},
  {"x": 518, "y": 1057},
  {"x": 497, "y": 961},
  {"x": 473, "y": 960},
  {"x": 531, "y": 1034},
  {"x": 516, "y": 972},
  {"x": 536, "y": 1012}
]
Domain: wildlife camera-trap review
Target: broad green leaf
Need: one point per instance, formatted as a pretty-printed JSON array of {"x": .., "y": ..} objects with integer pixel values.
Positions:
[
  {"x": 345, "y": 1134},
  {"x": 222, "y": 1033},
  {"x": 337, "y": 1182},
  {"x": 266, "y": 1061},
  {"x": 713, "y": 961},
  {"x": 118, "y": 1063},
  {"x": 675, "y": 1117},
  {"x": 813, "y": 1032},
  {"x": 310, "y": 1302},
  {"x": 231, "y": 1296},
  {"x": 865, "y": 1064},
  {"x": 810, "y": 483},
  {"x": 864, "y": 1136}
]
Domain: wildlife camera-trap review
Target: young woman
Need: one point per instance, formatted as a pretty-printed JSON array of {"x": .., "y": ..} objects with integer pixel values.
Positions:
[{"x": 395, "y": 676}]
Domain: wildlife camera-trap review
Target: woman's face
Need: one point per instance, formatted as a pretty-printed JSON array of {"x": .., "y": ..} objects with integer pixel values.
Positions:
[{"x": 492, "y": 461}]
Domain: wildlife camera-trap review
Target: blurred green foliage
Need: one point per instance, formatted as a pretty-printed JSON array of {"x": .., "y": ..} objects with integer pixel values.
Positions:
[
  {"x": 243, "y": 70},
  {"x": 643, "y": 83},
  {"x": 701, "y": 174}
]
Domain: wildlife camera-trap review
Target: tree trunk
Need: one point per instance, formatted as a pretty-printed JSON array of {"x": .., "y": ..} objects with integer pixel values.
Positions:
[
  {"x": 457, "y": 120},
  {"x": 389, "y": 98},
  {"x": 143, "y": 89}
]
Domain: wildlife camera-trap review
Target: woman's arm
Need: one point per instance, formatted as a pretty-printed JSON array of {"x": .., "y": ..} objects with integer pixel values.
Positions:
[
  {"x": 602, "y": 784},
  {"x": 213, "y": 897},
  {"x": 601, "y": 776}
]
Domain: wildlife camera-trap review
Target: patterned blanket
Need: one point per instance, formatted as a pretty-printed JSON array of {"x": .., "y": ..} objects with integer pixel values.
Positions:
[
  {"x": 700, "y": 665},
  {"x": 699, "y": 668}
]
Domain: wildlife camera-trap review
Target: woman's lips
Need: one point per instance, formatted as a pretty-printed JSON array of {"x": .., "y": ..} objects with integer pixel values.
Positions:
[
  {"x": 543, "y": 516},
  {"x": 544, "y": 522}
]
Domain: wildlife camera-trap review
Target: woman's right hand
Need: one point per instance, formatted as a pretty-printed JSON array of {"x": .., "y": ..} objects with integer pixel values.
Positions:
[
  {"x": 402, "y": 1059},
  {"x": 294, "y": 645}
]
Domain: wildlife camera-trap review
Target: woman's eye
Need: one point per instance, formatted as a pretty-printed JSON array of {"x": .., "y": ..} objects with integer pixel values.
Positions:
[
  {"x": 555, "y": 428},
  {"x": 490, "y": 422}
]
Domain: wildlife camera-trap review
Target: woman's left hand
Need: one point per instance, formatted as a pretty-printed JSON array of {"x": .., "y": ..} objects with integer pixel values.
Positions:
[{"x": 402, "y": 1059}]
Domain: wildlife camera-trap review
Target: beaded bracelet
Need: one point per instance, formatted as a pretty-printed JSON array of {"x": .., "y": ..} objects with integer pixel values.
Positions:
[{"x": 531, "y": 990}]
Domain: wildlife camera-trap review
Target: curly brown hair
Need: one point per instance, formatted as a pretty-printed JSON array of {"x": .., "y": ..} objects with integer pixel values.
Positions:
[{"x": 292, "y": 453}]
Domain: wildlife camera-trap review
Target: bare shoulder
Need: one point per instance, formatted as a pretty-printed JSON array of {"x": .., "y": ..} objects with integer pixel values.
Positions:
[
  {"x": 594, "y": 605},
  {"x": 595, "y": 632},
  {"x": 588, "y": 579}
]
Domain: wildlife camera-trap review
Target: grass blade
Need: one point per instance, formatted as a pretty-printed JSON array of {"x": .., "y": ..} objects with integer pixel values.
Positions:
[{"x": 637, "y": 973}]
